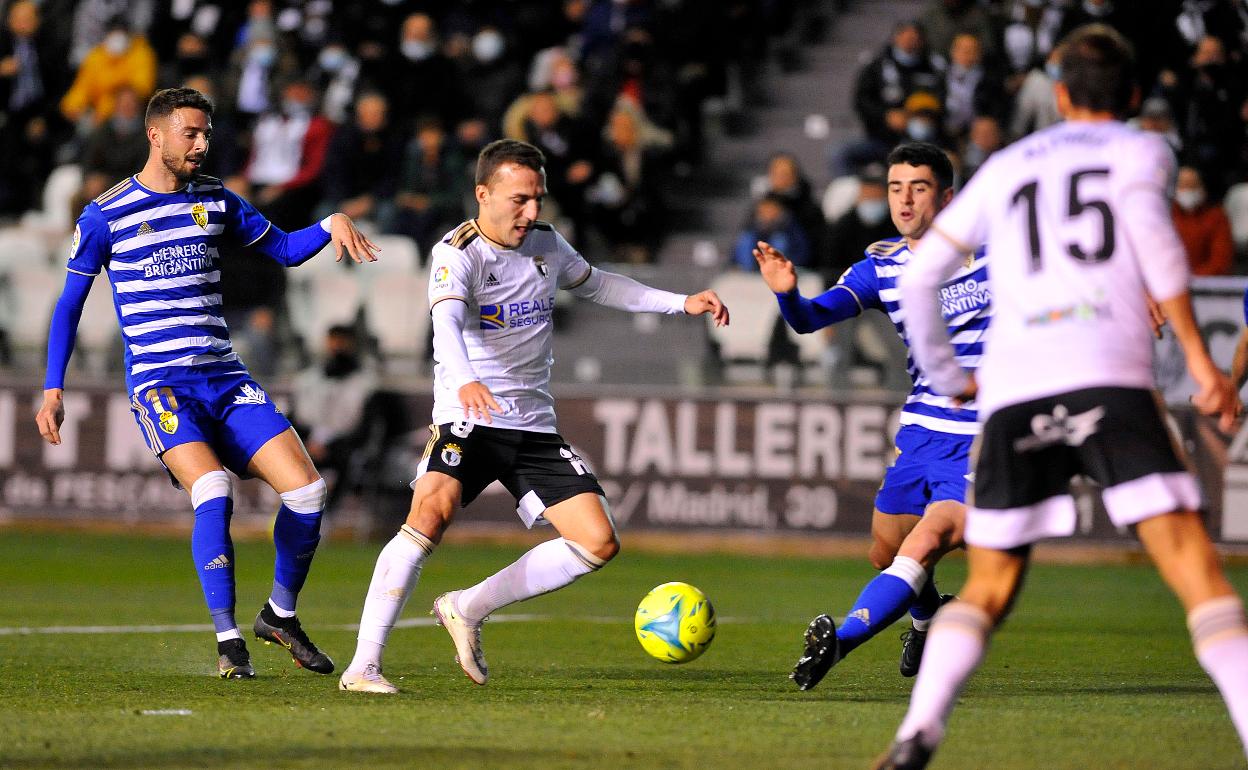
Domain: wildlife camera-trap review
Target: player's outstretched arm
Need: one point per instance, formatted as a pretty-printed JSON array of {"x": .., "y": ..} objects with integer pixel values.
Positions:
[
  {"x": 777, "y": 271},
  {"x": 61, "y": 336},
  {"x": 1215, "y": 394},
  {"x": 345, "y": 236},
  {"x": 51, "y": 415},
  {"x": 707, "y": 302}
]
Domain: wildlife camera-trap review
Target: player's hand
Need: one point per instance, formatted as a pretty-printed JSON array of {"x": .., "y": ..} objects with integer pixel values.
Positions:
[
  {"x": 968, "y": 395},
  {"x": 1156, "y": 317},
  {"x": 344, "y": 235},
  {"x": 707, "y": 302},
  {"x": 777, "y": 270},
  {"x": 51, "y": 415},
  {"x": 1215, "y": 395},
  {"x": 478, "y": 401}
]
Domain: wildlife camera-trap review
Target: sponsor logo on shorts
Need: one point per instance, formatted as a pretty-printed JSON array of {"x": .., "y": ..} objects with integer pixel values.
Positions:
[
  {"x": 452, "y": 454},
  {"x": 251, "y": 395},
  {"x": 1061, "y": 427},
  {"x": 169, "y": 422}
]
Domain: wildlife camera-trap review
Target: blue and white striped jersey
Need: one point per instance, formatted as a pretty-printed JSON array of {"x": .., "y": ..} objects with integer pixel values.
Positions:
[
  {"x": 966, "y": 304},
  {"x": 162, "y": 254}
]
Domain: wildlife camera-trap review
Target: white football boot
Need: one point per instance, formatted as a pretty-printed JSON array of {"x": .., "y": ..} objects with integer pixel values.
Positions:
[
  {"x": 369, "y": 680},
  {"x": 467, "y": 637}
]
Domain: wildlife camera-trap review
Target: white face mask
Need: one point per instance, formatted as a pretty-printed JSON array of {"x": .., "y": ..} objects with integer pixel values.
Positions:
[
  {"x": 487, "y": 46},
  {"x": 116, "y": 43},
  {"x": 416, "y": 50},
  {"x": 920, "y": 129},
  {"x": 872, "y": 212},
  {"x": 332, "y": 59},
  {"x": 1189, "y": 200}
]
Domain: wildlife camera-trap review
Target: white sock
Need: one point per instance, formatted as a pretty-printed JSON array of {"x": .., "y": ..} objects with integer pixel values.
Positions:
[
  {"x": 547, "y": 567},
  {"x": 1220, "y": 635},
  {"x": 278, "y": 611},
  {"x": 231, "y": 634},
  {"x": 957, "y": 639},
  {"x": 394, "y": 577}
]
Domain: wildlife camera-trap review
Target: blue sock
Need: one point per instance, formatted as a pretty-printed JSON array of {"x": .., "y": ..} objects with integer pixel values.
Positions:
[
  {"x": 296, "y": 533},
  {"x": 882, "y": 601},
  {"x": 928, "y": 602},
  {"x": 212, "y": 548}
]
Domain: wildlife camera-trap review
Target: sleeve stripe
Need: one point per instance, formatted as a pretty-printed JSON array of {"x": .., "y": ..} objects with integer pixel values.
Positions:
[
  {"x": 852, "y": 294},
  {"x": 267, "y": 227},
  {"x": 582, "y": 280},
  {"x": 79, "y": 272},
  {"x": 449, "y": 296}
]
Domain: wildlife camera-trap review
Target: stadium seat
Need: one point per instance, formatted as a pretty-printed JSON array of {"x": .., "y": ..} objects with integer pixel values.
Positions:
[
  {"x": 33, "y": 290},
  {"x": 754, "y": 313},
  {"x": 56, "y": 217},
  {"x": 22, "y": 247},
  {"x": 399, "y": 254},
  {"x": 840, "y": 197},
  {"x": 1236, "y": 204},
  {"x": 398, "y": 315},
  {"x": 321, "y": 300}
]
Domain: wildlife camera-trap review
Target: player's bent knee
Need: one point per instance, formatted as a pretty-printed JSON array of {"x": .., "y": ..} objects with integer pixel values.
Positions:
[
  {"x": 607, "y": 549},
  {"x": 881, "y": 555}
]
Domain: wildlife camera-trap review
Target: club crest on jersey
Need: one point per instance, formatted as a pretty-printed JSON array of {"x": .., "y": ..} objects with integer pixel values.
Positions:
[
  {"x": 452, "y": 454},
  {"x": 251, "y": 395},
  {"x": 200, "y": 215},
  {"x": 169, "y": 422},
  {"x": 541, "y": 266}
]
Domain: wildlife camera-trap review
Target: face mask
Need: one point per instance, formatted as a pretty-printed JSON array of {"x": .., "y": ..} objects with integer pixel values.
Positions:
[
  {"x": 416, "y": 50},
  {"x": 116, "y": 43},
  {"x": 1053, "y": 70},
  {"x": 872, "y": 212},
  {"x": 487, "y": 46},
  {"x": 332, "y": 59},
  {"x": 262, "y": 55},
  {"x": 1189, "y": 200},
  {"x": 905, "y": 58},
  {"x": 974, "y": 155},
  {"x": 920, "y": 129},
  {"x": 294, "y": 108},
  {"x": 1097, "y": 11}
]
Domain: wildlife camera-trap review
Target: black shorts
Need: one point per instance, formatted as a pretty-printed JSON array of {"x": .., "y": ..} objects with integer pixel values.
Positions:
[
  {"x": 538, "y": 469},
  {"x": 1029, "y": 452}
]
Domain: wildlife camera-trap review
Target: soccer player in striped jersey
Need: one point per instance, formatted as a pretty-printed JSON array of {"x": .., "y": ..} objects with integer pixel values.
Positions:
[
  {"x": 1077, "y": 217},
  {"x": 160, "y": 235},
  {"x": 920, "y": 508}
]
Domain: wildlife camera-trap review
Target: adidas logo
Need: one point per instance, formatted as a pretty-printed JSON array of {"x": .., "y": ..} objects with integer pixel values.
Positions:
[
  {"x": 863, "y": 614},
  {"x": 145, "y": 229},
  {"x": 220, "y": 562},
  {"x": 490, "y": 281}
]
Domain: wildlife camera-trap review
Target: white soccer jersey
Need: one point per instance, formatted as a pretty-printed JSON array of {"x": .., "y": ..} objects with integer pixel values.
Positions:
[
  {"x": 1077, "y": 220},
  {"x": 510, "y": 294}
]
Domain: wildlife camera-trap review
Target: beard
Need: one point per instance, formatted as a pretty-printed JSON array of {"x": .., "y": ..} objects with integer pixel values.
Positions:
[{"x": 178, "y": 166}]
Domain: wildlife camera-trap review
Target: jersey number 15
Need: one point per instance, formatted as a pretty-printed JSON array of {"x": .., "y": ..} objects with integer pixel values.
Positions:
[{"x": 1075, "y": 206}]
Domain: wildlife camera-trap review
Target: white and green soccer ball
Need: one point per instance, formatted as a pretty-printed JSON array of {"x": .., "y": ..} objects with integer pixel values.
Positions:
[{"x": 675, "y": 623}]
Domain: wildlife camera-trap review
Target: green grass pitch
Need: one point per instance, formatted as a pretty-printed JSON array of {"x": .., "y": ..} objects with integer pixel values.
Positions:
[{"x": 1093, "y": 671}]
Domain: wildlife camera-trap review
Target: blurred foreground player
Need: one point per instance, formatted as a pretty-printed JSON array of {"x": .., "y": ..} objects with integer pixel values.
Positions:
[
  {"x": 160, "y": 235},
  {"x": 491, "y": 294},
  {"x": 1078, "y": 221}
]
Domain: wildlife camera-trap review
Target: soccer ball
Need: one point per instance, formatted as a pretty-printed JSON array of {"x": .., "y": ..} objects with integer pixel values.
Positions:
[{"x": 675, "y": 623}]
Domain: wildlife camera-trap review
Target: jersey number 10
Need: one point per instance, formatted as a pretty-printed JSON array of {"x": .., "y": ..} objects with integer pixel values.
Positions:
[{"x": 1076, "y": 205}]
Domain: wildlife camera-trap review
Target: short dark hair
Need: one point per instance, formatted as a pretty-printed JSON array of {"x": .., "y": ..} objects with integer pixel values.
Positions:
[
  {"x": 165, "y": 101},
  {"x": 1098, "y": 69},
  {"x": 924, "y": 154},
  {"x": 502, "y": 151}
]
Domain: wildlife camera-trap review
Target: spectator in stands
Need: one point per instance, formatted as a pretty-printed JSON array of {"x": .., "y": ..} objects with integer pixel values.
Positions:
[
  {"x": 1031, "y": 35},
  {"x": 1155, "y": 116},
  {"x": 867, "y": 222},
  {"x": 363, "y": 164},
  {"x": 785, "y": 179},
  {"x": 553, "y": 71},
  {"x": 336, "y": 74},
  {"x": 122, "y": 60},
  {"x": 1035, "y": 106},
  {"x": 944, "y": 20},
  {"x": 422, "y": 81},
  {"x": 971, "y": 88},
  {"x": 91, "y": 19},
  {"x": 903, "y": 68},
  {"x": 773, "y": 222},
  {"x": 191, "y": 57},
  {"x": 924, "y": 116},
  {"x": 28, "y": 85},
  {"x": 569, "y": 159},
  {"x": 984, "y": 139},
  {"x": 626, "y": 196},
  {"x": 288, "y": 157},
  {"x": 114, "y": 149},
  {"x": 1208, "y": 101},
  {"x": 432, "y": 187},
  {"x": 495, "y": 75},
  {"x": 328, "y": 405},
  {"x": 1202, "y": 224}
]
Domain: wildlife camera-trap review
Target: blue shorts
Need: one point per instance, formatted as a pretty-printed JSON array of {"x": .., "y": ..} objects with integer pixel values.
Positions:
[
  {"x": 930, "y": 466},
  {"x": 229, "y": 412}
]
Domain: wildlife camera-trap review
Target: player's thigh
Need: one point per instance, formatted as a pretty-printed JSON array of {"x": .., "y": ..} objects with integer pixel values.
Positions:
[
  {"x": 994, "y": 579},
  {"x": 547, "y": 473},
  {"x": 283, "y": 463},
  {"x": 1179, "y": 545},
  {"x": 459, "y": 461},
  {"x": 435, "y": 498},
  {"x": 937, "y": 533},
  {"x": 585, "y": 519},
  {"x": 904, "y": 488},
  {"x": 177, "y": 428},
  {"x": 188, "y": 462}
]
